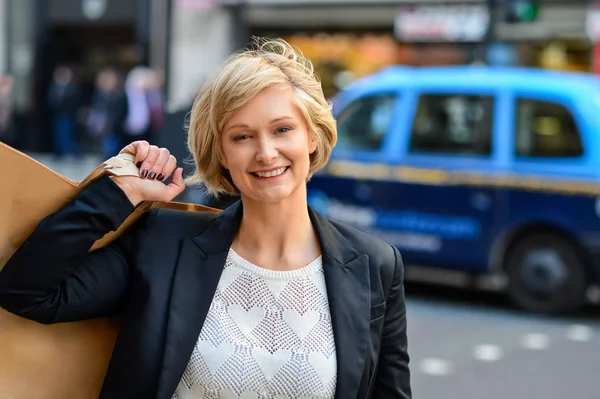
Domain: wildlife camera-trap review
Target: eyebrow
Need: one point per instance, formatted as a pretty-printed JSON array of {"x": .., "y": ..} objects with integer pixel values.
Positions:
[{"x": 279, "y": 119}]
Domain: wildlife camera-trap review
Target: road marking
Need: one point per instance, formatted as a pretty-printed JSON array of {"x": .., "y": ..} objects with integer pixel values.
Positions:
[
  {"x": 435, "y": 366},
  {"x": 535, "y": 341},
  {"x": 580, "y": 333},
  {"x": 487, "y": 352}
]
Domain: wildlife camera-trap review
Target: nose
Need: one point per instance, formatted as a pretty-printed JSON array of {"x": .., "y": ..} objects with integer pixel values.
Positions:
[{"x": 266, "y": 151}]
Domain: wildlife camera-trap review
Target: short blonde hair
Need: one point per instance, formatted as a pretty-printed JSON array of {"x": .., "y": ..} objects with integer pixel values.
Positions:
[{"x": 269, "y": 63}]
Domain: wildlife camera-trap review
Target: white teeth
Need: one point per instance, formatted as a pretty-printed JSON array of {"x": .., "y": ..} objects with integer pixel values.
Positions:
[{"x": 272, "y": 173}]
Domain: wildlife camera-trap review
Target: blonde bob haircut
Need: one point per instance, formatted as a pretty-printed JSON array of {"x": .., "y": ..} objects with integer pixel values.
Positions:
[{"x": 244, "y": 74}]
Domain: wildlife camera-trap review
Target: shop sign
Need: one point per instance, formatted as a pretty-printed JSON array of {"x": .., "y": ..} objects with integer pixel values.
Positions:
[
  {"x": 436, "y": 23},
  {"x": 593, "y": 22}
]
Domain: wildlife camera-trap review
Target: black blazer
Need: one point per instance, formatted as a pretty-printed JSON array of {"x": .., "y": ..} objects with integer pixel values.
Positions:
[{"x": 161, "y": 276}]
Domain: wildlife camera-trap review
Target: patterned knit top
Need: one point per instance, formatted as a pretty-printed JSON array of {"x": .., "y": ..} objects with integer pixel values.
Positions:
[{"x": 267, "y": 335}]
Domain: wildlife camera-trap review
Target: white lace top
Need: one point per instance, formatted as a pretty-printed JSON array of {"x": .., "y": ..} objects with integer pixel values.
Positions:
[{"x": 267, "y": 335}]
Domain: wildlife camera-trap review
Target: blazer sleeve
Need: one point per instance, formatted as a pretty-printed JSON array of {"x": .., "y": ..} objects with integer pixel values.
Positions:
[
  {"x": 393, "y": 375},
  {"x": 54, "y": 278}
]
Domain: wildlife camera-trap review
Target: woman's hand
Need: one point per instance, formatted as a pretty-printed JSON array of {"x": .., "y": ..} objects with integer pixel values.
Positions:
[{"x": 156, "y": 165}]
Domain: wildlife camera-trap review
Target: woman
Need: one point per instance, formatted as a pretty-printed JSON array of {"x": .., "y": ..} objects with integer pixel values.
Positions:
[{"x": 266, "y": 299}]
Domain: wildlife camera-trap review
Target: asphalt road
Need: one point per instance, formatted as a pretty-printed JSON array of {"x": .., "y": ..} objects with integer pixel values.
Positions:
[{"x": 472, "y": 344}]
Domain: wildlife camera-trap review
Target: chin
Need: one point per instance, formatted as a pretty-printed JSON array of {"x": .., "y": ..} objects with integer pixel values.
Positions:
[{"x": 272, "y": 196}]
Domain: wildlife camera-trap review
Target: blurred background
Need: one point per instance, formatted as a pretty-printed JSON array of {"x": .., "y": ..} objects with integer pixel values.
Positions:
[
  {"x": 180, "y": 42},
  {"x": 79, "y": 78}
]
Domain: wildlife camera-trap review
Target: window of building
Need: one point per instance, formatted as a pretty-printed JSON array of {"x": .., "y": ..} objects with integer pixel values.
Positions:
[
  {"x": 363, "y": 124},
  {"x": 453, "y": 124},
  {"x": 546, "y": 129}
]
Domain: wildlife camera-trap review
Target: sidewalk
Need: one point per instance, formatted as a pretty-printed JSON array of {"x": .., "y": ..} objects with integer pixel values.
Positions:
[{"x": 74, "y": 169}]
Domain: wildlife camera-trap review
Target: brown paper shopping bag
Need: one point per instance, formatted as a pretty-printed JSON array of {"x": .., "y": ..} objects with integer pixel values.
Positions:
[{"x": 66, "y": 360}]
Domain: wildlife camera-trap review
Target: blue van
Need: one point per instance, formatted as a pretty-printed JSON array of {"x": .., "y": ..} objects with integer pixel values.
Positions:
[{"x": 483, "y": 170}]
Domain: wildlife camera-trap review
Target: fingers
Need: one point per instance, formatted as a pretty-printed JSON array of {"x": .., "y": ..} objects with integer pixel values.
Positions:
[
  {"x": 139, "y": 149},
  {"x": 149, "y": 161},
  {"x": 153, "y": 162},
  {"x": 156, "y": 170},
  {"x": 168, "y": 169},
  {"x": 176, "y": 186}
]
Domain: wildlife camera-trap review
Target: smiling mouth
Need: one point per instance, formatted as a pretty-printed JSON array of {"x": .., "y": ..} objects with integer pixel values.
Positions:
[{"x": 271, "y": 173}]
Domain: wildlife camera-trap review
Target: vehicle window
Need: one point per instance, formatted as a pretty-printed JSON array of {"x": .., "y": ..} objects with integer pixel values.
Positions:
[
  {"x": 545, "y": 129},
  {"x": 453, "y": 124},
  {"x": 362, "y": 125}
]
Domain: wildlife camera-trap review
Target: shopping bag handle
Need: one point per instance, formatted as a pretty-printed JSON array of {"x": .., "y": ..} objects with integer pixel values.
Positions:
[
  {"x": 119, "y": 165},
  {"x": 124, "y": 165}
]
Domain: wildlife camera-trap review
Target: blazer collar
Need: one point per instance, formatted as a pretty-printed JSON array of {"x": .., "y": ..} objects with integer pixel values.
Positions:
[
  {"x": 199, "y": 270},
  {"x": 227, "y": 223},
  {"x": 219, "y": 236}
]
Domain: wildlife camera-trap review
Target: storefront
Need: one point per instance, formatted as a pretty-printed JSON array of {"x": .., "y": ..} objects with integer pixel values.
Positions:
[
  {"x": 85, "y": 35},
  {"x": 348, "y": 39}
]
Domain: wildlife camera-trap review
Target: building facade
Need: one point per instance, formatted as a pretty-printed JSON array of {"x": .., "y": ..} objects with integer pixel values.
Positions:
[
  {"x": 346, "y": 39},
  {"x": 86, "y": 35}
]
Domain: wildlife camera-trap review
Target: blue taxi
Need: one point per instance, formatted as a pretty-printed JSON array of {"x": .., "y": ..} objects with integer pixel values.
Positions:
[{"x": 478, "y": 169}]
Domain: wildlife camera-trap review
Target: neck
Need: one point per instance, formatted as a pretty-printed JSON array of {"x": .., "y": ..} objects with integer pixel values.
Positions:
[{"x": 277, "y": 230}]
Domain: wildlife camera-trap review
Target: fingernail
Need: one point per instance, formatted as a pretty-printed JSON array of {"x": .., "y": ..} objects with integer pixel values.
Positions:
[
  {"x": 139, "y": 164},
  {"x": 144, "y": 172},
  {"x": 160, "y": 177},
  {"x": 152, "y": 175}
]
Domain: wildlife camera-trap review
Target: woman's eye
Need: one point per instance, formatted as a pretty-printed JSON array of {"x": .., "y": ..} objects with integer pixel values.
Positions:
[
  {"x": 241, "y": 137},
  {"x": 284, "y": 129}
]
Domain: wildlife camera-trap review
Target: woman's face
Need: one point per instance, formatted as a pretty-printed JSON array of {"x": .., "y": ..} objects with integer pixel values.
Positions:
[{"x": 266, "y": 147}]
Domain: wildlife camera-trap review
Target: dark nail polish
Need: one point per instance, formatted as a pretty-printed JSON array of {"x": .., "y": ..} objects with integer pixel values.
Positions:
[
  {"x": 160, "y": 177},
  {"x": 152, "y": 175},
  {"x": 144, "y": 172},
  {"x": 139, "y": 164}
]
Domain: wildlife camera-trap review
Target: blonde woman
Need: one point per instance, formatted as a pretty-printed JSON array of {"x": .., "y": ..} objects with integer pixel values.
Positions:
[{"x": 267, "y": 299}]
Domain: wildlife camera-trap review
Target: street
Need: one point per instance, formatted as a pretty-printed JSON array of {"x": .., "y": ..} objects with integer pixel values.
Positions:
[{"x": 466, "y": 344}]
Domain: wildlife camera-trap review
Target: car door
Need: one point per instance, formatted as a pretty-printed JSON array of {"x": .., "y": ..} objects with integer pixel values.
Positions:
[
  {"x": 550, "y": 145},
  {"x": 448, "y": 153},
  {"x": 350, "y": 188}
]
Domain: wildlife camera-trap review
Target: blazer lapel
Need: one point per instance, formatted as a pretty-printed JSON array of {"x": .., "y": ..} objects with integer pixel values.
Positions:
[
  {"x": 349, "y": 294},
  {"x": 196, "y": 278}
]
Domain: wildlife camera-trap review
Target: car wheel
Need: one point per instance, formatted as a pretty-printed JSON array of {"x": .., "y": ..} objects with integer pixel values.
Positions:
[{"x": 546, "y": 275}]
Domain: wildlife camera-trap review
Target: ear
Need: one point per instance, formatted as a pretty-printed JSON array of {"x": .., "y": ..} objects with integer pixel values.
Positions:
[
  {"x": 224, "y": 162},
  {"x": 312, "y": 144}
]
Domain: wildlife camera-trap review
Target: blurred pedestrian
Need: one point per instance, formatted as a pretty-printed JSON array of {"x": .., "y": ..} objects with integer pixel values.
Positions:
[
  {"x": 64, "y": 100},
  {"x": 8, "y": 132},
  {"x": 108, "y": 112},
  {"x": 138, "y": 122},
  {"x": 154, "y": 93},
  {"x": 266, "y": 299}
]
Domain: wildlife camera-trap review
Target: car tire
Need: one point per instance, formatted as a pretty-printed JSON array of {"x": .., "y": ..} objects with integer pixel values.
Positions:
[{"x": 546, "y": 274}]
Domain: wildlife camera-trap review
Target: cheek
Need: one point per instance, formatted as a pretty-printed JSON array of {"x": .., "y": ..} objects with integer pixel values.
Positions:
[
  {"x": 236, "y": 162},
  {"x": 233, "y": 157}
]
